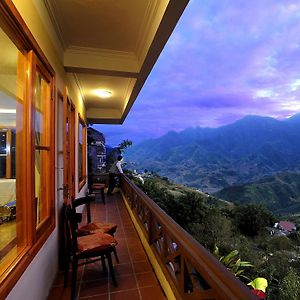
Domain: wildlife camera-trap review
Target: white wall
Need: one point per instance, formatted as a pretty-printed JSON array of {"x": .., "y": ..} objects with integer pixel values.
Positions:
[{"x": 37, "y": 280}]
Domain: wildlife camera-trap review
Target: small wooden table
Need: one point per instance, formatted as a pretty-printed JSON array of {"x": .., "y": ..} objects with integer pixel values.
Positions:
[{"x": 99, "y": 188}]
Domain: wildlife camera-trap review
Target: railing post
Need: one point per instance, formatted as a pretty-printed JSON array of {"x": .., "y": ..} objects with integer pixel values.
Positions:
[
  {"x": 151, "y": 229},
  {"x": 216, "y": 281}
]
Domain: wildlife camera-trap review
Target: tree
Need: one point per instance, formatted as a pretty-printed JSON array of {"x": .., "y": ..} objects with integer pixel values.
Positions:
[
  {"x": 214, "y": 229},
  {"x": 278, "y": 243},
  {"x": 250, "y": 219},
  {"x": 124, "y": 145}
]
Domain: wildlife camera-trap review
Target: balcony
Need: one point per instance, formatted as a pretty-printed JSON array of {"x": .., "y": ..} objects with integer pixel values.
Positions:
[{"x": 158, "y": 259}]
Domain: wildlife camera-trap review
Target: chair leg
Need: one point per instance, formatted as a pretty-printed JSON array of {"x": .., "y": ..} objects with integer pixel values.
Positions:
[
  {"x": 66, "y": 268},
  {"x": 66, "y": 272},
  {"x": 111, "y": 269},
  {"x": 116, "y": 255},
  {"x": 103, "y": 195},
  {"x": 74, "y": 278},
  {"x": 103, "y": 264}
]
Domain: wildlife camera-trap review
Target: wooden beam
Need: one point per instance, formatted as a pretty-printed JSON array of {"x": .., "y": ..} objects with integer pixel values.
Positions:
[
  {"x": 104, "y": 121},
  {"x": 102, "y": 72}
]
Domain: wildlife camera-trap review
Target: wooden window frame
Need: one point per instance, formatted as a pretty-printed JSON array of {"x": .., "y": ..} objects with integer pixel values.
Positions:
[
  {"x": 15, "y": 28},
  {"x": 69, "y": 145},
  {"x": 82, "y": 182},
  {"x": 37, "y": 66}
]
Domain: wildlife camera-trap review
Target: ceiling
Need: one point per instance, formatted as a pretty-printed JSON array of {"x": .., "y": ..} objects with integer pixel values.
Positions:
[
  {"x": 8, "y": 79},
  {"x": 112, "y": 45}
]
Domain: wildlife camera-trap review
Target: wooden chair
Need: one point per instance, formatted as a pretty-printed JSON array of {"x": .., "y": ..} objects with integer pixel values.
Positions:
[
  {"x": 97, "y": 184},
  {"x": 85, "y": 249},
  {"x": 98, "y": 188},
  {"x": 93, "y": 227}
]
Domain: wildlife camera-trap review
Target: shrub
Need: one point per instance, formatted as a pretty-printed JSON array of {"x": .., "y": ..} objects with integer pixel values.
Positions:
[
  {"x": 251, "y": 219},
  {"x": 278, "y": 243},
  {"x": 290, "y": 286}
]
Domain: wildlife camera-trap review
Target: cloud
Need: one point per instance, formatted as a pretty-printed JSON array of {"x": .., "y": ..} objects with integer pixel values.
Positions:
[{"x": 225, "y": 59}]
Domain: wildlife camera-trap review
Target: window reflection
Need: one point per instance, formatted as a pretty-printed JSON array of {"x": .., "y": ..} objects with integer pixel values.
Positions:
[
  {"x": 12, "y": 86},
  {"x": 42, "y": 147},
  {"x": 81, "y": 153}
]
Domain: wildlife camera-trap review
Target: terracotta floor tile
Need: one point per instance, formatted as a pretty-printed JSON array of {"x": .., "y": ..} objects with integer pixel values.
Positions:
[
  {"x": 125, "y": 295},
  {"x": 127, "y": 282},
  {"x": 128, "y": 224},
  {"x": 123, "y": 269},
  {"x": 130, "y": 232},
  {"x": 97, "y": 297},
  {"x": 92, "y": 288},
  {"x": 94, "y": 274},
  {"x": 138, "y": 256},
  {"x": 142, "y": 267},
  {"x": 131, "y": 235},
  {"x": 146, "y": 279},
  {"x": 122, "y": 241},
  {"x": 59, "y": 279},
  {"x": 135, "y": 246},
  {"x": 122, "y": 250},
  {"x": 133, "y": 241},
  {"x": 134, "y": 273},
  {"x": 119, "y": 235},
  {"x": 124, "y": 257},
  {"x": 60, "y": 293},
  {"x": 151, "y": 293}
]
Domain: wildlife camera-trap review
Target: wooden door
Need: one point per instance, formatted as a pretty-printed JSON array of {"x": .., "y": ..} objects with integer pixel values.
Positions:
[{"x": 69, "y": 150}]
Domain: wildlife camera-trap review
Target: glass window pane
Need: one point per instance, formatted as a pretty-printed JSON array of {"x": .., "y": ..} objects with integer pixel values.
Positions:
[
  {"x": 12, "y": 87},
  {"x": 42, "y": 139},
  {"x": 42, "y": 108},
  {"x": 80, "y": 149},
  {"x": 41, "y": 184}
]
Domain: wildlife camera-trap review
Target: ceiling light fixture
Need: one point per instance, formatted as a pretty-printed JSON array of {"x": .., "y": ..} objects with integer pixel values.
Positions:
[
  {"x": 7, "y": 111},
  {"x": 103, "y": 93}
]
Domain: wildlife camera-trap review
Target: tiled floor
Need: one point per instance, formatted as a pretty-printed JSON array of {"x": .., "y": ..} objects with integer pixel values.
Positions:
[{"x": 135, "y": 277}]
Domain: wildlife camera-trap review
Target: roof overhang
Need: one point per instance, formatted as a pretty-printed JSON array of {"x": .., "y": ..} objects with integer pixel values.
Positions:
[{"x": 112, "y": 45}]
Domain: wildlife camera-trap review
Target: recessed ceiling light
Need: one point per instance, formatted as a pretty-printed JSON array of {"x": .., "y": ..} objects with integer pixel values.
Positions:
[
  {"x": 7, "y": 111},
  {"x": 103, "y": 93}
]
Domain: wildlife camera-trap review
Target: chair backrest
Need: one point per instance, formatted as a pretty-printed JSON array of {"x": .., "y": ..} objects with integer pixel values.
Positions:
[
  {"x": 84, "y": 200},
  {"x": 70, "y": 226}
]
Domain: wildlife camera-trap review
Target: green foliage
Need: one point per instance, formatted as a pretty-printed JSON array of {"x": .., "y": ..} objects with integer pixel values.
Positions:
[
  {"x": 274, "y": 268},
  {"x": 278, "y": 243},
  {"x": 290, "y": 286},
  {"x": 233, "y": 262},
  {"x": 124, "y": 145},
  {"x": 184, "y": 208},
  {"x": 279, "y": 193},
  {"x": 295, "y": 236},
  {"x": 230, "y": 227},
  {"x": 251, "y": 219},
  {"x": 215, "y": 228}
]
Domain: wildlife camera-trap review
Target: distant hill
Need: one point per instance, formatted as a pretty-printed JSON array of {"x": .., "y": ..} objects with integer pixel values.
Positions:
[
  {"x": 279, "y": 193},
  {"x": 213, "y": 158}
]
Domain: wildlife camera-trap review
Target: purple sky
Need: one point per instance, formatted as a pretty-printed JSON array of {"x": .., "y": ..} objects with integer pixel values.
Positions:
[{"x": 225, "y": 59}]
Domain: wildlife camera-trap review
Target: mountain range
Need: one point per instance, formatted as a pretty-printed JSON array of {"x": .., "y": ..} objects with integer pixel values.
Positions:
[
  {"x": 214, "y": 158},
  {"x": 279, "y": 193}
]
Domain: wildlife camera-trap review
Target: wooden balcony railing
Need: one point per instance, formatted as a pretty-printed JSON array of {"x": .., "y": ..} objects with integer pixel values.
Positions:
[{"x": 192, "y": 271}]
